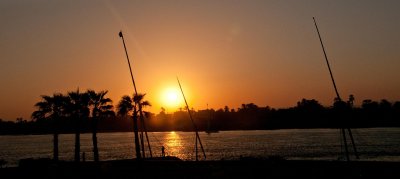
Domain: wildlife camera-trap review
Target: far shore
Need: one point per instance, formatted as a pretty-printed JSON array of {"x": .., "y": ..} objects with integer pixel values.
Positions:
[{"x": 216, "y": 131}]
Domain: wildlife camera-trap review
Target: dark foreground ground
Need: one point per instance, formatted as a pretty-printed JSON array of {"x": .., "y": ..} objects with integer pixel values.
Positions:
[{"x": 174, "y": 168}]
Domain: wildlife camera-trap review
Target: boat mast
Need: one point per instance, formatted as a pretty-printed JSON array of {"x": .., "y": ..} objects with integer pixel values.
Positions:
[
  {"x": 343, "y": 130},
  {"x": 135, "y": 124},
  {"x": 194, "y": 125}
]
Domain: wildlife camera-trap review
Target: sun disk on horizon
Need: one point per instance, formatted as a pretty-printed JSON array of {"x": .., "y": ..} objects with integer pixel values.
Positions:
[{"x": 171, "y": 98}]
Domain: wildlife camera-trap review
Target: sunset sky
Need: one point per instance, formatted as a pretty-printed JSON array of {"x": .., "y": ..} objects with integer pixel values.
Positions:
[{"x": 225, "y": 52}]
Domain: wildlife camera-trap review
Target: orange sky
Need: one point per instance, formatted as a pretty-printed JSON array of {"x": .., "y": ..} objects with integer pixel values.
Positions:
[{"x": 224, "y": 52}]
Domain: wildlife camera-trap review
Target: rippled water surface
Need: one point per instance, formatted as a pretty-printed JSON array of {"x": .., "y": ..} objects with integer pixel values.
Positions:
[{"x": 326, "y": 144}]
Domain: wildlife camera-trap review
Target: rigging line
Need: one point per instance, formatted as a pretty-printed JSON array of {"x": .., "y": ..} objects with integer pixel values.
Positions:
[
  {"x": 345, "y": 143},
  {"x": 194, "y": 124},
  {"x": 193, "y": 147},
  {"x": 142, "y": 118},
  {"x": 352, "y": 142},
  {"x": 152, "y": 134}
]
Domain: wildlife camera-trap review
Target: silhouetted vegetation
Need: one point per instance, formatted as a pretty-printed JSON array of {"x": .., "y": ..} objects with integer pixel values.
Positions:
[
  {"x": 75, "y": 113},
  {"x": 66, "y": 113},
  {"x": 101, "y": 109},
  {"x": 127, "y": 107},
  {"x": 50, "y": 110}
]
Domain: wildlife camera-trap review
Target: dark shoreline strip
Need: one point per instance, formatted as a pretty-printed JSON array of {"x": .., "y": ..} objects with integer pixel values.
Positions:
[{"x": 173, "y": 168}]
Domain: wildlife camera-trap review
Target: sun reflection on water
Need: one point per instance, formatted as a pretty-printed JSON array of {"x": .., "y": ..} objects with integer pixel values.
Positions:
[{"x": 173, "y": 144}]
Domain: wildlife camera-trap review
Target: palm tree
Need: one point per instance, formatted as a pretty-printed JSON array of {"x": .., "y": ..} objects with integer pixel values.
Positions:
[
  {"x": 51, "y": 108},
  {"x": 125, "y": 106},
  {"x": 101, "y": 107},
  {"x": 140, "y": 104},
  {"x": 78, "y": 108},
  {"x": 133, "y": 105}
]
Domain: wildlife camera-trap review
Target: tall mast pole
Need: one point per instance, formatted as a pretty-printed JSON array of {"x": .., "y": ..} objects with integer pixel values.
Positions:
[
  {"x": 327, "y": 62},
  {"x": 194, "y": 125},
  {"x": 343, "y": 130},
  {"x": 135, "y": 124},
  {"x": 129, "y": 63}
]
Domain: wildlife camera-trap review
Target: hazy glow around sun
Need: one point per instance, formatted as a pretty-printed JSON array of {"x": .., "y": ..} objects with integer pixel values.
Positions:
[{"x": 171, "y": 98}]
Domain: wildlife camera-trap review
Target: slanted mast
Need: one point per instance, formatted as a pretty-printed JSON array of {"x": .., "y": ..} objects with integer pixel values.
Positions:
[
  {"x": 139, "y": 155},
  {"x": 194, "y": 125},
  {"x": 344, "y": 128}
]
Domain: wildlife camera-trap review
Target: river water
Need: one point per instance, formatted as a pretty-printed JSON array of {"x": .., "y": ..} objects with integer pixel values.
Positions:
[{"x": 379, "y": 144}]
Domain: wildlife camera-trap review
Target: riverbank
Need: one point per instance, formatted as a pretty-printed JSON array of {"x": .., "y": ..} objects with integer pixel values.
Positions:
[{"x": 174, "y": 168}]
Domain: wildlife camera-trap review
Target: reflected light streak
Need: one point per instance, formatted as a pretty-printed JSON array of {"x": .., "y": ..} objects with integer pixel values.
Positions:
[{"x": 173, "y": 144}]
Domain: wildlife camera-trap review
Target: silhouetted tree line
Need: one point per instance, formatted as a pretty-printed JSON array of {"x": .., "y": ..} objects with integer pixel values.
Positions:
[
  {"x": 306, "y": 114},
  {"x": 90, "y": 111}
]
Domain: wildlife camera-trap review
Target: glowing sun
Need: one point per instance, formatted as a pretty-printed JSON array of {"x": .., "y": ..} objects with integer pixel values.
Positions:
[{"x": 171, "y": 97}]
